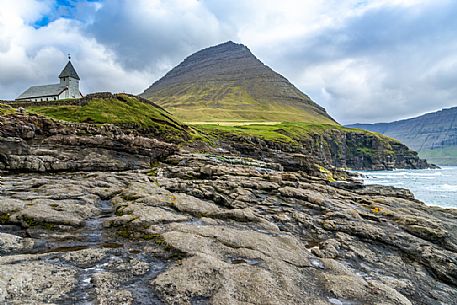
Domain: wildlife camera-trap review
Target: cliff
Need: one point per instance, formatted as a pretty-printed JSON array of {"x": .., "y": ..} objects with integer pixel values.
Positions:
[
  {"x": 34, "y": 143},
  {"x": 432, "y": 135},
  {"x": 52, "y": 134},
  {"x": 333, "y": 147}
]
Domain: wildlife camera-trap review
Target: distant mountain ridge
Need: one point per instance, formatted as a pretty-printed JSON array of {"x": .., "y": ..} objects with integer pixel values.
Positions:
[
  {"x": 432, "y": 135},
  {"x": 228, "y": 83}
]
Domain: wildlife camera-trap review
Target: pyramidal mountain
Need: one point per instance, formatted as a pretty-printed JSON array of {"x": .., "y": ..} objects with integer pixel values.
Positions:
[
  {"x": 432, "y": 135},
  {"x": 228, "y": 83}
]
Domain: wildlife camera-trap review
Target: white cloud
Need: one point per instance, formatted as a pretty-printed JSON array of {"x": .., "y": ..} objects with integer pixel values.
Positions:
[{"x": 153, "y": 34}]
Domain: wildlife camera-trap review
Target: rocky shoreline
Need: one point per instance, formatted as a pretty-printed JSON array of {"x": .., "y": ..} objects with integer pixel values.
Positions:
[
  {"x": 105, "y": 214},
  {"x": 212, "y": 229}
]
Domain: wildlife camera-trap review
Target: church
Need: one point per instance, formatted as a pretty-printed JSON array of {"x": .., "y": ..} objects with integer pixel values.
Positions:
[{"x": 66, "y": 89}]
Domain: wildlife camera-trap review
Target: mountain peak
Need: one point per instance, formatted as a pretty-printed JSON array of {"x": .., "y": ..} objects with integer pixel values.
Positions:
[
  {"x": 227, "y": 82},
  {"x": 221, "y": 50},
  {"x": 230, "y": 45}
]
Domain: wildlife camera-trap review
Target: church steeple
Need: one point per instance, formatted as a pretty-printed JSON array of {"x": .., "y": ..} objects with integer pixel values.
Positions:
[
  {"x": 69, "y": 71},
  {"x": 70, "y": 79}
]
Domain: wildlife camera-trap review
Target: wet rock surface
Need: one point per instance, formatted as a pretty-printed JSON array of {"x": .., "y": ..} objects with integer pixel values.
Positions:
[{"x": 201, "y": 229}]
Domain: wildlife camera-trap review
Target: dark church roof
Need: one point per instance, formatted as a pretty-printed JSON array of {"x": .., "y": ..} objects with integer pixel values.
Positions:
[
  {"x": 42, "y": 91},
  {"x": 69, "y": 71}
]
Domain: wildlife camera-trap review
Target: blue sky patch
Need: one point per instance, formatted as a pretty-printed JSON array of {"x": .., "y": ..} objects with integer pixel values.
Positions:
[{"x": 61, "y": 9}]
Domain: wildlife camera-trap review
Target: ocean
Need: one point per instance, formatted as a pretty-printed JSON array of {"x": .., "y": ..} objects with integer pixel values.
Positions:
[{"x": 432, "y": 186}]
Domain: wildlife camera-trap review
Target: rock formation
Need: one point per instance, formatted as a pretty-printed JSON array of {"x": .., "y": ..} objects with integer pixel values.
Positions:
[
  {"x": 211, "y": 229},
  {"x": 32, "y": 143},
  {"x": 35, "y": 143},
  {"x": 333, "y": 149}
]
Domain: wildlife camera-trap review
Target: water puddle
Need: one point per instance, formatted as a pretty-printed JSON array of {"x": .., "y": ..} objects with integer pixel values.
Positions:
[
  {"x": 13, "y": 230},
  {"x": 93, "y": 228},
  {"x": 141, "y": 288},
  {"x": 200, "y": 300},
  {"x": 317, "y": 263},
  {"x": 339, "y": 301},
  {"x": 195, "y": 221},
  {"x": 86, "y": 286},
  {"x": 244, "y": 260},
  {"x": 91, "y": 235}
]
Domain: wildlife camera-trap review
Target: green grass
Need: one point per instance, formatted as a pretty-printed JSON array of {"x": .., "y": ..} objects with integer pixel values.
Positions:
[
  {"x": 366, "y": 151},
  {"x": 128, "y": 110},
  {"x": 4, "y": 218},
  {"x": 6, "y": 109},
  {"x": 224, "y": 103},
  {"x": 123, "y": 110},
  {"x": 283, "y": 132},
  {"x": 441, "y": 156}
]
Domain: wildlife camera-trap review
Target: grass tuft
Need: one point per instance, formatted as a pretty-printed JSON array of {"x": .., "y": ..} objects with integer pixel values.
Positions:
[{"x": 6, "y": 109}]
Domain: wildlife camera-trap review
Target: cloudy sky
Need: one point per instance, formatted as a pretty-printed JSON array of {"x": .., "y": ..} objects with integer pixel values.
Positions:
[{"x": 364, "y": 61}]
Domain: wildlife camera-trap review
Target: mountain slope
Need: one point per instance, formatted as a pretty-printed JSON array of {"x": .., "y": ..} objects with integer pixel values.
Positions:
[
  {"x": 433, "y": 135},
  {"x": 228, "y": 83}
]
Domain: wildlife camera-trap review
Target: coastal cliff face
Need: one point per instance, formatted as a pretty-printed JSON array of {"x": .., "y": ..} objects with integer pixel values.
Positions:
[
  {"x": 212, "y": 229},
  {"x": 30, "y": 143},
  {"x": 140, "y": 133},
  {"x": 332, "y": 149},
  {"x": 432, "y": 135}
]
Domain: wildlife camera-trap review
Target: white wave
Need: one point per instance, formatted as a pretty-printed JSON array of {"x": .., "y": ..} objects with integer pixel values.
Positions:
[
  {"x": 431, "y": 174},
  {"x": 432, "y": 186},
  {"x": 449, "y": 187}
]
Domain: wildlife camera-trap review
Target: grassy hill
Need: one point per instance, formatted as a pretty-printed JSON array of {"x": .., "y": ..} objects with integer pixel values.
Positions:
[
  {"x": 227, "y": 83},
  {"x": 119, "y": 109},
  {"x": 6, "y": 109},
  {"x": 225, "y": 103},
  {"x": 292, "y": 132}
]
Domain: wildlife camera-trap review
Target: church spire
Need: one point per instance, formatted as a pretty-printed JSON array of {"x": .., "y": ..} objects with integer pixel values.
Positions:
[{"x": 69, "y": 70}]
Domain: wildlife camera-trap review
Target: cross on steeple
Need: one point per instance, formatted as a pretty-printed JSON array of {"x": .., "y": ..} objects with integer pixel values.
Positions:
[{"x": 69, "y": 56}]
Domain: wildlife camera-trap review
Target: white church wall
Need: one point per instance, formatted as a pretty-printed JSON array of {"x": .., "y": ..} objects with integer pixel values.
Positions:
[
  {"x": 73, "y": 88},
  {"x": 63, "y": 95}
]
